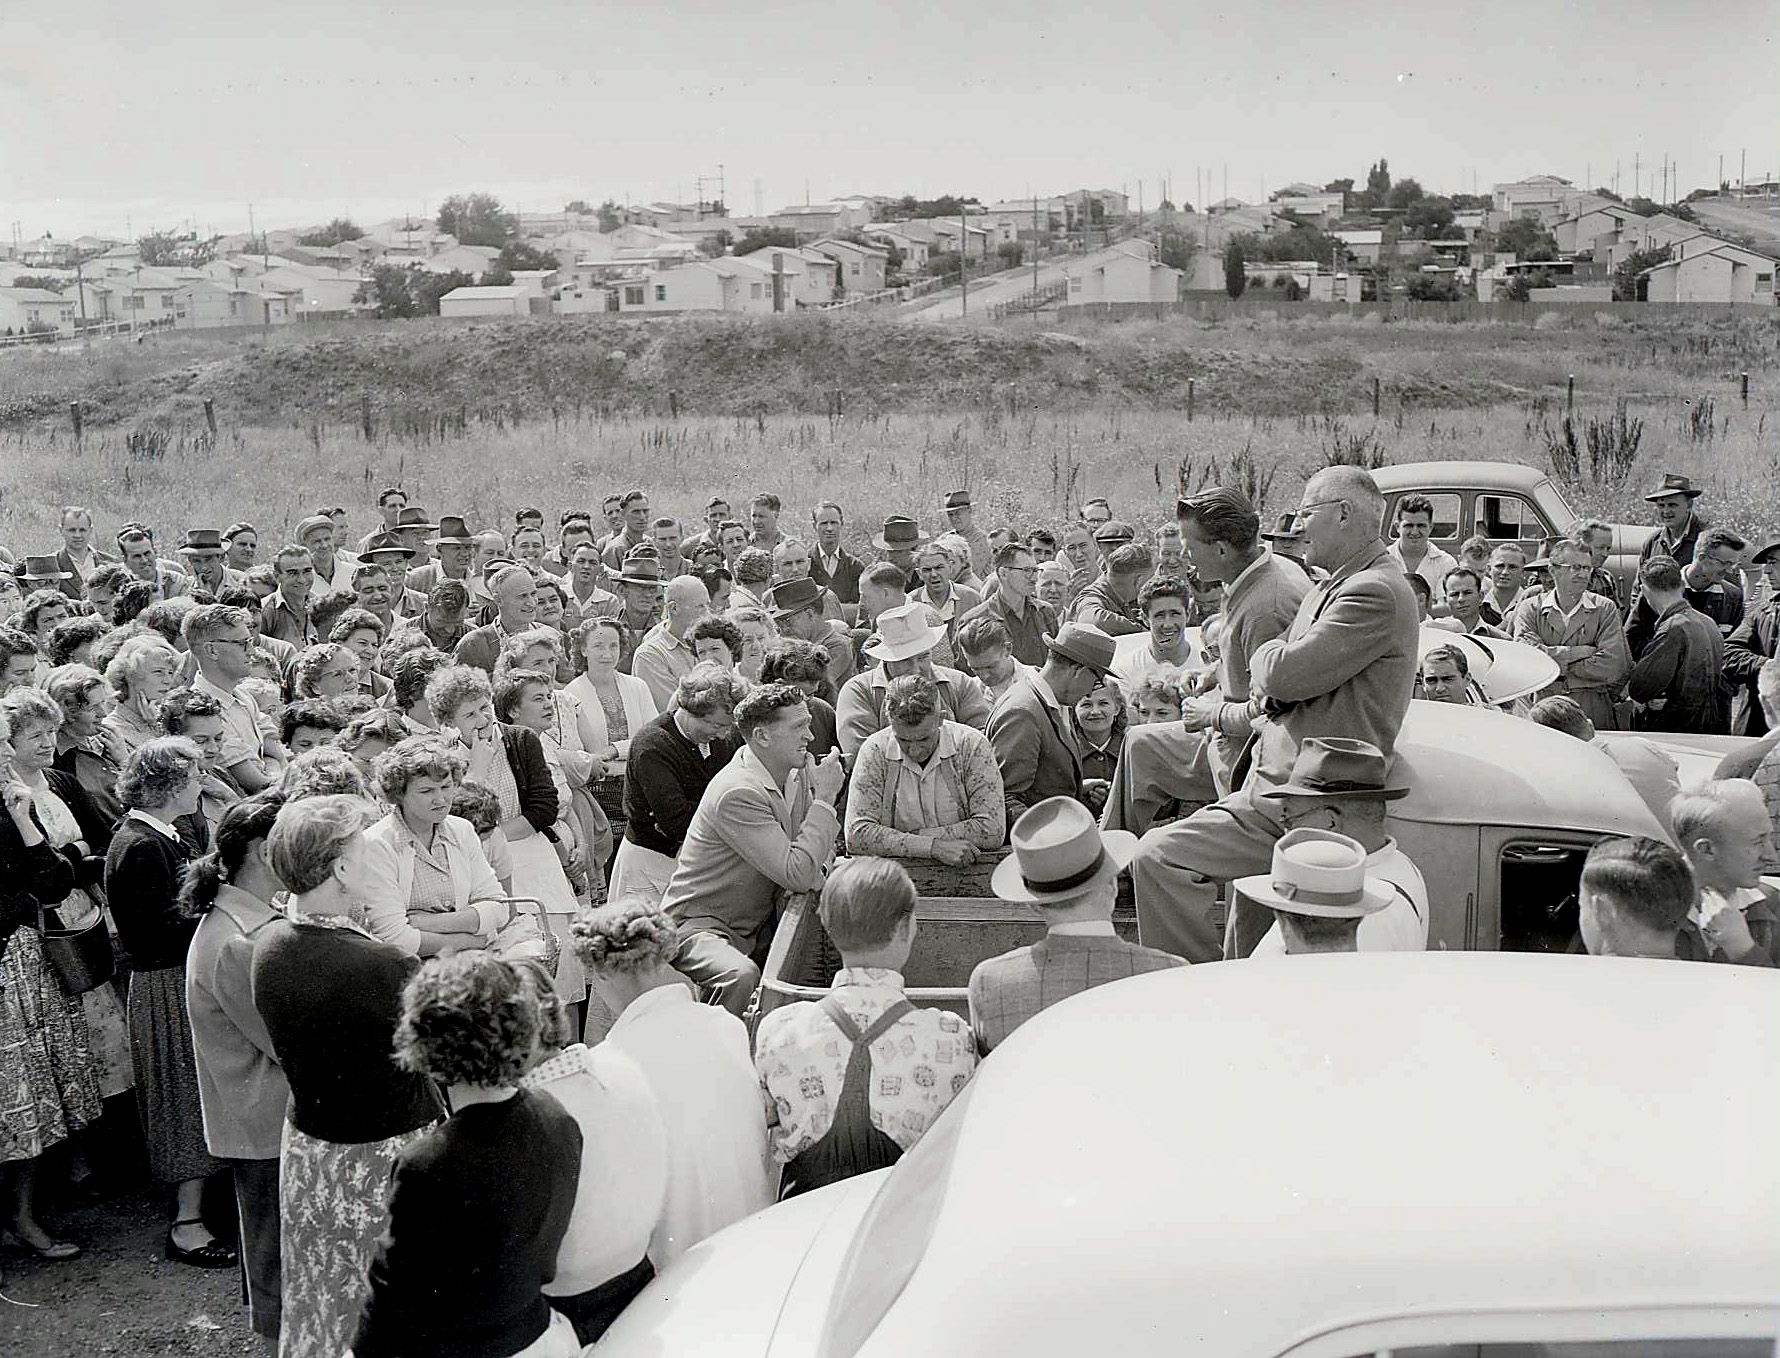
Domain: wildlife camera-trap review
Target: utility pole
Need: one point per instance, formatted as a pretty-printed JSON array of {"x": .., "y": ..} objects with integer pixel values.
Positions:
[
  {"x": 1635, "y": 169},
  {"x": 1034, "y": 252},
  {"x": 1720, "y": 174},
  {"x": 963, "y": 265},
  {"x": 1743, "y": 174}
]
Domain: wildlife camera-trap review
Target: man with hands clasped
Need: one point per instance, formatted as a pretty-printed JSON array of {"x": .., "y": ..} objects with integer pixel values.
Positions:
[{"x": 767, "y": 823}]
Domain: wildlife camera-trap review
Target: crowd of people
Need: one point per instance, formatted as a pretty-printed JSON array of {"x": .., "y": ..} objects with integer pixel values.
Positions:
[{"x": 335, "y": 870}]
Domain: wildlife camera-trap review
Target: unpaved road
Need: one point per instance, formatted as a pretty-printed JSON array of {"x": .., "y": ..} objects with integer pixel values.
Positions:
[{"x": 119, "y": 1297}]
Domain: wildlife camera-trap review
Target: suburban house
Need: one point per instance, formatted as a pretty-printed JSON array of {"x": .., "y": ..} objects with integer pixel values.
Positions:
[
  {"x": 311, "y": 291},
  {"x": 1315, "y": 209},
  {"x": 1092, "y": 206},
  {"x": 914, "y": 252},
  {"x": 1224, "y": 205},
  {"x": 511, "y": 300},
  {"x": 1543, "y": 197},
  {"x": 1709, "y": 270},
  {"x": 23, "y": 310},
  {"x": 474, "y": 260},
  {"x": 811, "y": 277},
  {"x": 144, "y": 296},
  {"x": 1125, "y": 272},
  {"x": 1025, "y": 216},
  {"x": 209, "y": 304},
  {"x": 946, "y": 234},
  {"x": 822, "y": 219},
  {"x": 1646, "y": 233},
  {"x": 1363, "y": 247},
  {"x": 862, "y": 266},
  {"x": 726, "y": 284}
]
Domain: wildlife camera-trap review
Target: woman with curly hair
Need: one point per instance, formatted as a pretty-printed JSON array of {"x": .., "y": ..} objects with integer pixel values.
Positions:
[
  {"x": 697, "y": 1062},
  {"x": 325, "y": 772},
  {"x": 198, "y": 716},
  {"x": 1100, "y": 720},
  {"x": 572, "y": 743},
  {"x": 242, "y": 1090},
  {"x": 84, "y": 747},
  {"x": 409, "y": 674},
  {"x": 474, "y": 1229},
  {"x": 510, "y": 760},
  {"x": 327, "y": 670},
  {"x": 362, "y": 632},
  {"x": 804, "y": 665},
  {"x": 19, "y": 658},
  {"x": 144, "y": 868},
  {"x": 330, "y": 995},
  {"x": 142, "y": 673}
]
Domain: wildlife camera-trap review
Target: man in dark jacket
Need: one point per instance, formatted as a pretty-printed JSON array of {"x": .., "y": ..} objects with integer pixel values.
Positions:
[
  {"x": 1679, "y": 680},
  {"x": 1755, "y": 641},
  {"x": 1030, "y": 728},
  {"x": 1708, "y": 582}
]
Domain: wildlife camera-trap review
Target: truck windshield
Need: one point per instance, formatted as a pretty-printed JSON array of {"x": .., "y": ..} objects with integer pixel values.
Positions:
[
  {"x": 1551, "y": 500},
  {"x": 893, "y": 1235}
]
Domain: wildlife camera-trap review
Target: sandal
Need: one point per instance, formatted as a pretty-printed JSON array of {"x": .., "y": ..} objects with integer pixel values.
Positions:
[
  {"x": 214, "y": 1255},
  {"x": 55, "y": 1251}
]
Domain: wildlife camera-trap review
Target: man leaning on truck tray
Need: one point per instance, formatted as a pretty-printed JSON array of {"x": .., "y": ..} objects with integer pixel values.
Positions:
[{"x": 1346, "y": 667}]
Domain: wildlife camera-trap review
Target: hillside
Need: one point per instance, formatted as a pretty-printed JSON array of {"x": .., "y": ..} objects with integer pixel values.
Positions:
[{"x": 417, "y": 375}]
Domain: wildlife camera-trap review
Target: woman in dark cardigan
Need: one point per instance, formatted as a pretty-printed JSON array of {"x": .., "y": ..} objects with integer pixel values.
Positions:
[
  {"x": 144, "y": 869},
  {"x": 45, "y": 1059},
  {"x": 509, "y": 760},
  {"x": 330, "y": 995}
]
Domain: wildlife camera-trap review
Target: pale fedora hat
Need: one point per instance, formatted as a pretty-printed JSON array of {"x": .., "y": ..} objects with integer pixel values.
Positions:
[
  {"x": 1317, "y": 872},
  {"x": 1059, "y": 853},
  {"x": 903, "y": 633}
]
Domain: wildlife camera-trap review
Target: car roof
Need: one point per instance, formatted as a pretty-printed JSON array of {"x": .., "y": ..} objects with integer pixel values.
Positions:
[
  {"x": 1231, "y": 1158},
  {"x": 1477, "y": 766},
  {"x": 1437, "y": 475}
]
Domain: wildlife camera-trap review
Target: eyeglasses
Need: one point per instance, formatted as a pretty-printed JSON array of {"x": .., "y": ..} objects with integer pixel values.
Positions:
[
  {"x": 245, "y": 643},
  {"x": 1021, "y": 570},
  {"x": 1305, "y": 511}
]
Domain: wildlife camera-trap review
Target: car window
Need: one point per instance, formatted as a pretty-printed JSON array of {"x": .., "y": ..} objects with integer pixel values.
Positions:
[
  {"x": 1588, "y": 1348},
  {"x": 1446, "y": 514},
  {"x": 1510, "y": 518},
  {"x": 1539, "y": 911}
]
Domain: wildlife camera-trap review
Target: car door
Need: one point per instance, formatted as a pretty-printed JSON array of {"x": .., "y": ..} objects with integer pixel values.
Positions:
[{"x": 1507, "y": 516}]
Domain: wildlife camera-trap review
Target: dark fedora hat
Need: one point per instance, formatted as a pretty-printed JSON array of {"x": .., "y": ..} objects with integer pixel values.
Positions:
[
  {"x": 453, "y": 531},
  {"x": 899, "y": 534},
  {"x": 1285, "y": 528},
  {"x": 793, "y": 596},
  {"x": 387, "y": 544},
  {"x": 1087, "y": 646},
  {"x": 642, "y": 566},
  {"x": 43, "y": 568},
  {"x": 1675, "y": 484},
  {"x": 956, "y": 499},
  {"x": 414, "y": 517},
  {"x": 201, "y": 540},
  {"x": 1335, "y": 766}
]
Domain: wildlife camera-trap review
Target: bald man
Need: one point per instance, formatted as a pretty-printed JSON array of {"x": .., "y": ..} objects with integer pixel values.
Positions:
[{"x": 665, "y": 653}]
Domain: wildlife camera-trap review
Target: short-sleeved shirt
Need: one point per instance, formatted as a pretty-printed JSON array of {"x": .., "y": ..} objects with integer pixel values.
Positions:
[{"x": 241, "y": 740}]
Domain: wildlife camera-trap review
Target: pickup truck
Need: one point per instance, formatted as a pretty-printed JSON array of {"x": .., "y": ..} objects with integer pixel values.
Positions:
[
  {"x": 1500, "y": 816},
  {"x": 1503, "y": 501}
]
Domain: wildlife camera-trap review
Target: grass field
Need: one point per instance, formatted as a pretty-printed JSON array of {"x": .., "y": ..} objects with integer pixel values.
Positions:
[{"x": 481, "y": 419}]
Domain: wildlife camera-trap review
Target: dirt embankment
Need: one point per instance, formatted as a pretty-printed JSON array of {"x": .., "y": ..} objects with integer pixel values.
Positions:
[{"x": 414, "y": 374}]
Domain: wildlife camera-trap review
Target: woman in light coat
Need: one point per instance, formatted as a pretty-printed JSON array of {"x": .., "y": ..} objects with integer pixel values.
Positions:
[{"x": 616, "y": 706}]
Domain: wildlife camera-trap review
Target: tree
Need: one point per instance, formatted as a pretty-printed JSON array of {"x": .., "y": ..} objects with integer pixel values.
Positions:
[
  {"x": 1176, "y": 249},
  {"x": 578, "y": 208},
  {"x": 519, "y": 254},
  {"x": 772, "y": 238},
  {"x": 1433, "y": 287},
  {"x": 611, "y": 215},
  {"x": 1011, "y": 253},
  {"x": 715, "y": 244},
  {"x": 430, "y": 287},
  {"x": 1627, "y": 285},
  {"x": 1431, "y": 219},
  {"x": 340, "y": 229},
  {"x": 1378, "y": 185},
  {"x": 946, "y": 205},
  {"x": 476, "y": 219},
  {"x": 31, "y": 280},
  {"x": 496, "y": 275},
  {"x": 1235, "y": 268},
  {"x": 388, "y": 292},
  {"x": 1525, "y": 239},
  {"x": 1518, "y": 289},
  {"x": 1164, "y": 206},
  {"x": 156, "y": 251},
  {"x": 1405, "y": 193},
  {"x": 1341, "y": 186},
  {"x": 1609, "y": 195}
]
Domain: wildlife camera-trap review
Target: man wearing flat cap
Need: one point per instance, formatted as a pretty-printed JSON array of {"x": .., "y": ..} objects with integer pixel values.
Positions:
[
  {"x": 1319, "y": 890},
  {"x": 1343, "y": 786},
  {"x": 1030, "y": 727},
  {"x": 1065, "y": 868},
  {"x": 333, "y": 569}
]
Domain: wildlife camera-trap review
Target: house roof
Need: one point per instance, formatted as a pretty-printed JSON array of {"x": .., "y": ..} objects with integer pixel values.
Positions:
[
  {"x": 834, "y": 242},
  {"x": 1360, "y": 237},
  {"x": 31, "y": 295},
  {"x": 1726, "y": 250},
  {"x": 486, "y": 293}
]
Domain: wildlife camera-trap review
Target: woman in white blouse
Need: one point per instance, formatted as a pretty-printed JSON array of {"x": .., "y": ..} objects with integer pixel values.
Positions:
[
  {"x": 617, "y": 706},
  {"x": 570, "y": 739}
]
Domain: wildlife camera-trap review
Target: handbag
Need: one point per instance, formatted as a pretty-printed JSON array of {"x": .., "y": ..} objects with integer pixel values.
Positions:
[
  {"x": 552, "y": 945},
  {"x": 82, "y": 958}
]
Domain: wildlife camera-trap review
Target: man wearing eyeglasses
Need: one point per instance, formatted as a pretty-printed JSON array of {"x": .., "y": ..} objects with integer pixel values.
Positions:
[
  {"x": 1345, "y": 668},
  {"x": 221, "y": 641},
  {"x": 1028, "y": 621},
  {"x": 1581, "y": 631}
]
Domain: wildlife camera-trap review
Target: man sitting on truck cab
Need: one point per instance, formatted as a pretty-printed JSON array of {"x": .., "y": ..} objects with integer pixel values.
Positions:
[
  {"x": 1343, "y": 786},
  {"x": 837, "y": 1108},
  {"x": 1635, "y": 898}
]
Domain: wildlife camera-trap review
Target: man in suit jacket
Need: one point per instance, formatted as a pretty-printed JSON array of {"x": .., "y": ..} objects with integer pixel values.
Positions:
[
  {"x": 1067, "y": 870},
  {"x": 1030, "y": 727},
  {"x": 831, "y": 565},
  {"x": 1755, "y": 642},
  {"x": 1346, "y": 667},
  {"x": 77, "y": 556}
]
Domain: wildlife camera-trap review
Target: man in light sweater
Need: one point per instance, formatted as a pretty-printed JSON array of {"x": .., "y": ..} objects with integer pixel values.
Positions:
[{"x": 767, "y": 823}]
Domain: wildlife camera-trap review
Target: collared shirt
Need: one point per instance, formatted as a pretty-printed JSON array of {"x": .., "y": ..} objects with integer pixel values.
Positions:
[
  {"x": 661, "y": 660},
  {"x": 1432, "y": 567},
  {"x": 1026, "y": 630},
  {"x": 897, "y": 809},
  {"x": 242, "y": 742},
  {"x": 1402, "y": 926},
  {"x": 278, "y": 619},
  {"x": 918, "y": 1066},
  {"x": 149, "y": 818}
]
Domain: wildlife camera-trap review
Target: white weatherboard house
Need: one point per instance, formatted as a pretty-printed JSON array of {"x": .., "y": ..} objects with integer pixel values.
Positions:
[
  {"x": 1126, "y": 272},
  {"x": 512, "y": 300},
  {"x": 25, "y": 309},
  {"x": 1705, "y": 269}
]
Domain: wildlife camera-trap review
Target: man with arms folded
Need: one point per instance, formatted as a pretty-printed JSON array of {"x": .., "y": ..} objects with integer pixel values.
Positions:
[
  {"x": 1346, "y": 667},
  {"x": 1066, "y": 869},
  {"x": 1581, "y": 631},
  {"x": 766, "y": 824},
  {"x": 903, "y": 644},
  {"x": 220, "y": 639},
  {"x": 924, "y": 787},
  {"x": 854, "y": 1080},
  {"x": 1342, "y": 787}
]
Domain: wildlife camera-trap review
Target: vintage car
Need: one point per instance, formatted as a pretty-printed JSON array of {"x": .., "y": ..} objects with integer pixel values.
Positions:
[
  {"x": 1499, "y": 817},
  {"x": 1503, "y": 501},
  {"x": 1441, "y": 1154}
]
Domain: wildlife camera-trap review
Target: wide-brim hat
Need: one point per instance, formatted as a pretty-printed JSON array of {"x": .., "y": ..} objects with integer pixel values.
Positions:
[
  {"x": 202, "y": 540},
  {"x": 1673, "y": 484},
  {"x": 957, "y": 499},
  {"x": 44, "y": 568},
  {"x": 1766, "y": 552},
  {"x": 415, "y": 517},
  {"x": 1085, "y": 646},
  {"x": 903, "y": 633},
  {"x": 387, "y": 544},
  {"x": 899, "y": 534},
  {"x": 1317, "y": 872},
  {"x": 793, "y": 596},
  {"x": 1285, "y": 528},
  {"x": 1060, "y": 853},
  {"x": 642, "y": 566},
  {"x": 452, "y": 531},
  {"x": 1336, "y": 766}
]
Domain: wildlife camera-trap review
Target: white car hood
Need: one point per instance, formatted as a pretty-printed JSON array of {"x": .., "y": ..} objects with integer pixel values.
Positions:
[{"x": 759, "y": 1288}]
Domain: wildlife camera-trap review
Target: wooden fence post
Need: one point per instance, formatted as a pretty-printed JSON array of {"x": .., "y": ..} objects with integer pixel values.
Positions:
[
  {"x": 210, "y": 416},
  {"x": 1189, "y": 400},
  {"x": 74, "y": 415},
  {"x": 1745, "y": 388},
  {"x": 1570, "y": 395},
  {"x": 1377, "y": 390}
]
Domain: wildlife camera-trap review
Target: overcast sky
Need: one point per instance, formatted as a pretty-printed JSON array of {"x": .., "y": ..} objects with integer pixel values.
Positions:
[{"x": 140, "y": 117}]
